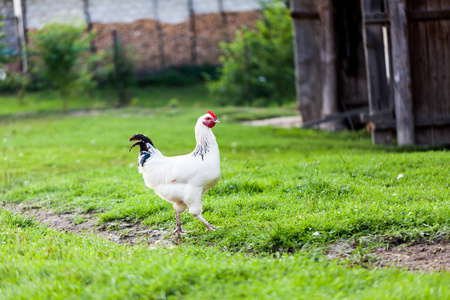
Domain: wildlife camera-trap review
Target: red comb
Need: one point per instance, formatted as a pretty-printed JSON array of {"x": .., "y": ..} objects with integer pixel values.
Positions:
[{"x": 212, "y": 114}]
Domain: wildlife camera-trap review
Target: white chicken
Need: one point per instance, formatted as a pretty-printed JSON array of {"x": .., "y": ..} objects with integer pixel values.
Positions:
[{"x": 182, "y": 180}]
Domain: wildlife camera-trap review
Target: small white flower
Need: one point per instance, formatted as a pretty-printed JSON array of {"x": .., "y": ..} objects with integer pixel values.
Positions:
[
  {"x": 410, "y": 213},
  {"x": 5, "y": 140},
  {"x": 316, "y": 233},
  {"x": 394, "y": 194},
  {"x": 77, "y": 161},
  {"x": 20, "y": 154},
  {"x": 262, "y": 79},
  {"x": 92, "y": 142},
  {"x": 400, "y": 176},
  {"x": 233, "y": 144}
]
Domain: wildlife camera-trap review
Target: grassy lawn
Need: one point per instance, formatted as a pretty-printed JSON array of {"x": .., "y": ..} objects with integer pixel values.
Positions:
[{"x": 284, "y": 195}]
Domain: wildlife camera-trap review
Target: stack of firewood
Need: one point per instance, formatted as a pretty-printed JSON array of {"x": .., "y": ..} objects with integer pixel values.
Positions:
[{"x": 145, "y": 44}]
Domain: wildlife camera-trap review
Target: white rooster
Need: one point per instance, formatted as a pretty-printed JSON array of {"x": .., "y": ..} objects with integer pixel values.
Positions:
[{"x": 182, "y": 180}]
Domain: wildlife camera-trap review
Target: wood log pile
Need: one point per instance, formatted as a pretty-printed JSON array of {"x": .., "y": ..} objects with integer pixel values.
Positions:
[{"x": 175, "y": 39}]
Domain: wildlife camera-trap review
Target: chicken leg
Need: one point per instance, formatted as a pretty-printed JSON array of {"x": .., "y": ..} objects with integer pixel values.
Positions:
[
  {"x": 178, "y": 230},
  {"x": 209, "y": 226}
]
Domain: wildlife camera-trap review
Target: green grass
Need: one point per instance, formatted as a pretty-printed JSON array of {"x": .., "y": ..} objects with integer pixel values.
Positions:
[
  {"x": 278, "y": 188},
  {"x": 39, "y": 263}
]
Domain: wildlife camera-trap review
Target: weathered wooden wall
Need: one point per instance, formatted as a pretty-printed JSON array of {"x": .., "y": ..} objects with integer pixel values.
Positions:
[
  {"x": 329, "y": 57},
  {"x": 406, "y": 78},
  {"x": 351, "y": 70},
  {"x": 429, "y": 45},
  {"x": 412, "y": 97}
]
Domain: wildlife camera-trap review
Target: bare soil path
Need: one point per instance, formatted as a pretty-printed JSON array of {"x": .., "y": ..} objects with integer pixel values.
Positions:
[
  {"x": 122, "y": 232},
  {"x": 424, "y": 256}
]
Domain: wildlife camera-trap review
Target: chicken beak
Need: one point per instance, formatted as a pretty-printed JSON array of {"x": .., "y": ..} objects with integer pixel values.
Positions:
[{"x": 216, "y": 121}]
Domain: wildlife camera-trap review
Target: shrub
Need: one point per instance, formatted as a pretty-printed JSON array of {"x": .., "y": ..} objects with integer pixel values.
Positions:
[
  {"x": 15, "y": 82},
  {"x": 258, "y": 66},
  {"x": 62, "y": 59},
  {"x": 181, "y": 76},
  {"x": 114, "y": 67}
]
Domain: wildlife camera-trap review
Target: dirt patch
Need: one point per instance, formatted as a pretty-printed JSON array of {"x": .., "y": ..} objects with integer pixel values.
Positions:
[
  {"x": 121, "y": 232},
  {"x": 424, "y": 256},
  {"x": 419, "y": 257}
]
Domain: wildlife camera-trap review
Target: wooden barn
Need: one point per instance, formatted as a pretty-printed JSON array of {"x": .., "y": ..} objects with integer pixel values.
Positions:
[{"x": 384, "y": 64}]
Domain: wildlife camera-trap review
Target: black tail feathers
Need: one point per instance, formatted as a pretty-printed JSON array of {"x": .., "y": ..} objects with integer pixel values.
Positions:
[{"x": 143, "y": 141}]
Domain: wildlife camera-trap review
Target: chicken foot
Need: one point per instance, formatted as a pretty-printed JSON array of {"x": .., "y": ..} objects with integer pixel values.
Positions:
[
  {"x": 209, "y": 226},
  {"x": 178, "y": 229}
]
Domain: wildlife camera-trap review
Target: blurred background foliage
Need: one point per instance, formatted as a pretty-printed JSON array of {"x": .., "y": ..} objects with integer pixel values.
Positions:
[
  {"x": 256, "y": 69},
  {"x": 258, "y": 66}
]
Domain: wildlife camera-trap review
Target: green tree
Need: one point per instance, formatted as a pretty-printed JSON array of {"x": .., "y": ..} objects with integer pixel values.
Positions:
[
  {"x": 63, "y": 59},
  {"x": 258, "y": 66}
]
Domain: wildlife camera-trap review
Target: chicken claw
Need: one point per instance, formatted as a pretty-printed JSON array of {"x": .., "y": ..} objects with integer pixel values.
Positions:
[{"x": 179, "y": 231}]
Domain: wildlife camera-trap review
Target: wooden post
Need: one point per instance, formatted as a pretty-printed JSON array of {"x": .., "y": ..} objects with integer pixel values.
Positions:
[
  {"x": 19, "y": 18},
  {"x": 120, "y": 89},
  {"x": 193, "y": 33},
  {"x": 307, "y": 58},
  {"x": 247, "y": 69},
  {"x": 87, "y": 16},
  {"x": 402, "y": 75},
  {"x": 381, "y": 110},
  {"x": 223, "y": 16},
  {"x": 328, "y": 60},
  {"x": 160, "y": 35},
  {"x": 23, "y": 4}
]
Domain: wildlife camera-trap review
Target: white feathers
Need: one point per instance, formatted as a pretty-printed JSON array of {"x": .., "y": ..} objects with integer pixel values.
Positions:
[{"x": 185, "y": 179}]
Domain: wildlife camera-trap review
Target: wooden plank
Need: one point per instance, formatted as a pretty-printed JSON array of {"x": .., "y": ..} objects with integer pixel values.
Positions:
[
  {"x": 329, "y": 64},
  {"x": 377, "y": 83},
  {"x": 439, "y": 33},
  {"x": 336, "y": 117},
  {"x": 307, "y": 60},
  {"x": 424, "y": 15},
  {"x": 376, "y": 18},
  {"x": 402, "y": 75},
  {"x": 351, "y": 70},
  {"x": 430, "y": 64},
  {"x": 420, "y": 77},
  {"x": 304, "y": 15}
]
